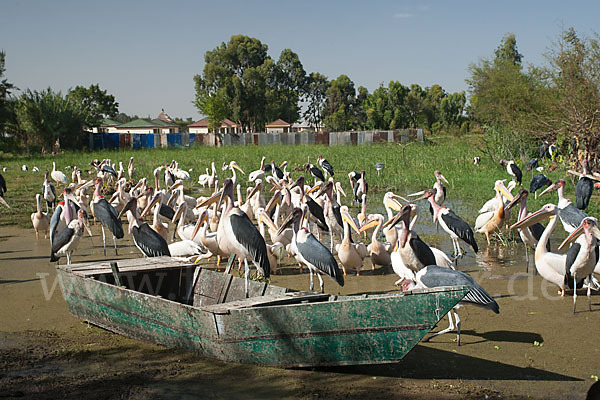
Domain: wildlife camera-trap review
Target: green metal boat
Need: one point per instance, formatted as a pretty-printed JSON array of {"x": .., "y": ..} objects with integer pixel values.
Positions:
[{"x": 178, "y": 304}]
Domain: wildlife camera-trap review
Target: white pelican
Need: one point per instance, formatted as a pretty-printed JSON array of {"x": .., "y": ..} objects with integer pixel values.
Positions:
[
  {"x": 379, "y": 252},
  {"x": 58, "y": 176},
  {"x": 351, "y": 255},
  {"x": 40, "y": 219}
]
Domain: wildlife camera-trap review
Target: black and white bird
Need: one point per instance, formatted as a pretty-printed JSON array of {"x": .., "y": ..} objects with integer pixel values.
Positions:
[
  {"x": 570, "y": 216},
  {"x": 584, "y": 188},
  {"x": 107, "y": 215},
  {"x": 146, "y": 239},
  {"x": 582, "y": 256},
  {"x": 310, "y": 252},
  {"x": 435, "y": 276},
  {"x": 531, "y": 165},
  {"x": 48, "y": 192},
  {"x": 2, "y": 191},
  {"x": 513, "y": 170},
  {"x": 327, "y": 167},
  {"x": 65, "y": 241},
  {"x": 451, "y": 223},
  {"x": 315, "y": 172},
  {"x": 476, "y": 160},
  {"x": 360, "y": 186},
  {"x": 538, "y": 182}
]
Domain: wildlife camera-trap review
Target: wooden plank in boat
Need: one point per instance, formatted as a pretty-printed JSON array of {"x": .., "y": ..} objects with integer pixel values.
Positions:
[
  {"x": 263, "y": 301},
  {"x": 125, "y": 265}
]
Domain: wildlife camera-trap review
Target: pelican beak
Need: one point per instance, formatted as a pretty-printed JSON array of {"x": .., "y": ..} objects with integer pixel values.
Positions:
[
  {"x": 515, "y": 200},
  {"x": 151, "y": 204},
  {"x": 400, "y": 197},
  {"x": 572, "y": 237},
  {"x": 234, "y": 165},
  {"x": 534, "y": 218},
  {"x": 393, "y": 204},
  {"x": 276, "y": 199},
  {"x": 371, "y": 223},
  {"x": 255, "y": 190},
  {"x": 339, "y": 188},
  {"x": 178, "y": 183},
  {"x": 178, "y": 213},
  {"x": 318, "y": 186},
  {"x": 550, "y": 188},
  {"x": 502, "y": 189},
  {"x": 267, "y": 221},
  {"x": 130, "y": 204},
  {"x": 212, "y": 199},
  {"x": 203, "y": 217},
  {"x": 393, "y": 221},
  {"x": 113, "y": 197},
  {"x": 348, "y": 218},
  {"x": 286, "y": 223}
]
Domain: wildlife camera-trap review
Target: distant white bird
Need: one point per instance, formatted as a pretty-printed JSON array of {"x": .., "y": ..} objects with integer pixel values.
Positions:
[
  {"x": 58, "y": 176},
  {"x": 35, "y": 169},
  {"x": 476, "y": 160},
  {"x": 24, "y": 167}
]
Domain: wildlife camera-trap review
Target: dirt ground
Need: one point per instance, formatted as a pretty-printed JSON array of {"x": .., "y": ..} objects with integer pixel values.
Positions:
[{"x": 535, "y": 348}]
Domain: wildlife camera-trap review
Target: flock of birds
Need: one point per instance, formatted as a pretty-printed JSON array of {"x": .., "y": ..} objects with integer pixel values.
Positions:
[{"x": 258, "y": 230}]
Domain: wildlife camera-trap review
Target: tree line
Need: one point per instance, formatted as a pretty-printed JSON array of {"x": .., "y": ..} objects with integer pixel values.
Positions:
[
  {"x": 516, "y": 106},
  {"x": 240, "y": 81}
]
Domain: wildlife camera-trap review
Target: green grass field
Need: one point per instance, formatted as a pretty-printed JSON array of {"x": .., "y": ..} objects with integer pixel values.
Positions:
[{"x": 471, "y": 185}]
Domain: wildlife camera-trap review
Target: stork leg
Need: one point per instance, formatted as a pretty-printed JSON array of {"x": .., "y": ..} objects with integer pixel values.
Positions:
[
  {"x": 115, "y": 242},
  {"x": 321, "y": 283},
  {"x": 574, "y": 292},
  {"x": 37, "y": 235},
  {"x": 526, "y": 259},
  {"x": 312, "y": 283},
  {"x": 103, "y": 238},
  {"x": 247, "y": 274},
  {"x": 68, "y": 257},
  {"x": 589, "y": 292},
  {"x": 450, "y": 327},
  {"x": 457, "y": 326}
]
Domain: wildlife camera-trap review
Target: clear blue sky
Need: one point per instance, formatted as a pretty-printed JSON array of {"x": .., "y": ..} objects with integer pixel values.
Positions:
[{"x": 146, "y": 53}]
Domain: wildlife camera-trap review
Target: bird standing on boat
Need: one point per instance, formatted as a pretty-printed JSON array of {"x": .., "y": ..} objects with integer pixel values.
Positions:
[
  {"x": 436, "y": 276},
  {"x": 310, "y": 252},
  {"x": 513, "y": 170}
]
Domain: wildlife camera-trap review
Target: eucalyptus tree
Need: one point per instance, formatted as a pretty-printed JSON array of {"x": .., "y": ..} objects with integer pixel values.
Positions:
[{"x": 315, "y": 94}]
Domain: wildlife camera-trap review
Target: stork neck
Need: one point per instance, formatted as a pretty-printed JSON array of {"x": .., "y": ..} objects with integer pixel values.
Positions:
[
  {"x": 436, "y": 208},
  {"x": 523, "y": 208}
]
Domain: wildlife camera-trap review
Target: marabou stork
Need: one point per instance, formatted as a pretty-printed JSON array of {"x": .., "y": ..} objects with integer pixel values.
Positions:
[
  {"x": 513, "y": 170},
  {"x": 584, "y": 188},
  {"x": 40, "y": 219},
  {"x": 582, "y": 256},
  {"x": 146, "y": 239},
  {"x": 310, "y": 252},
  {"x": 333, "y": 217},
  {"x": 58, "y": 176},
  {"x": 237, "y": 235},
  {"x": 316, "y": 211},
  {"x": 49, "y": 192},
  {"x": 570, "y": 216},
  {"x": 531, "y": 165},
  {"x": 327, "y": 167},
  {"x": 529, "y": 235},
  {"x": 2, "y": 191},
  {"x": 316, "y": 173},
  {"x": 107, "y": 215},
  {"x": 131, "y": 170},
  {"x": 434, "y": 276},
  {"x": 451, "y": 223},
  {"x": 161, "y": 228},
  {"x": 276, "y": 172},
  {"x": 544, "y": 149},
  {"x": 360, "y": 187},
  {"x": 379, "y": 166},
  {"x": 538, "y": 182},
  {"x": 351, "y": 255},
  {"x": 66, "y": 240}
]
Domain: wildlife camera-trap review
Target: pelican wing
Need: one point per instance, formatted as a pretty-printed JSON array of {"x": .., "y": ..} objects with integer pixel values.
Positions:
[{"x": 248, "y": 236}]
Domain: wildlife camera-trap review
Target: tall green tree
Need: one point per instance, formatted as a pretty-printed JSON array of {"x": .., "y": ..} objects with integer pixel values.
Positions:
[
  {"x": 339, "y": 111},
  {"x": 95, "y": 103},
  {"x": 315, "y": 94},
  {"x": 45, "y": 116},
  {"x": 286, "y": 83},
  {"x": 235, "y": 76},
  {"x": 5, "y": 90}
]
